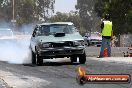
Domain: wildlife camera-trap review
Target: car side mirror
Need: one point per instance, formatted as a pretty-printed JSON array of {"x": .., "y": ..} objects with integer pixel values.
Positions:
[{"x": 33, "y": 34}]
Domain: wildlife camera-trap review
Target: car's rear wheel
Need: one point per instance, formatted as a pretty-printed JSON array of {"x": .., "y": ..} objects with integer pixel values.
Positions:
[
  {"x": 73, "y": 59},
  {"x": 82, "y": 58}
]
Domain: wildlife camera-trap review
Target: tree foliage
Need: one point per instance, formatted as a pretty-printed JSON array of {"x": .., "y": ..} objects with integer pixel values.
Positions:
[
  {"x": 26, "y": 11},
  {"x": 68, "y": 17},
  {"x": 120, "y": 11},
  {"x": 87, "y": 14}
]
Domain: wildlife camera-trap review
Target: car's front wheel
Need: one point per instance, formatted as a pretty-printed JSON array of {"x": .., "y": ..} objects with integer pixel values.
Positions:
[
  {"x": 73, "y": 59},
  {"x": 88, "y": 42},
  {"x": 82, "y": 58},
  {"x": 33, "y": 58},
  {"x": 36, "y": 59},
  {"x": 39, "y": 60}
]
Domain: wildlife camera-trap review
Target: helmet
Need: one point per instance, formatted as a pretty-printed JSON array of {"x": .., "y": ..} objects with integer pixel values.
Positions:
[{"x": 107, "y": 16}]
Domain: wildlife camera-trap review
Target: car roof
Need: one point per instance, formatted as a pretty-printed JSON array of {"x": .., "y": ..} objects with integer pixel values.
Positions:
[{"x": 68, "y": 23}]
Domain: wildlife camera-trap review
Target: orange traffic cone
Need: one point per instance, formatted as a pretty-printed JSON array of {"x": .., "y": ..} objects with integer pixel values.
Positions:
[{"x": 105, "y": 52}]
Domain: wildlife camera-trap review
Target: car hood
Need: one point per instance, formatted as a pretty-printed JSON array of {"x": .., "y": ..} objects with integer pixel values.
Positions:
[{"x": 67, "y": 37}]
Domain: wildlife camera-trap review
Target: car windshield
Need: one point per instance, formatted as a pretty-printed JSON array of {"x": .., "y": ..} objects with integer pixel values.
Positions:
[
  {"x": 5, "y": 33},
  {"x": 57, "y": 28}
]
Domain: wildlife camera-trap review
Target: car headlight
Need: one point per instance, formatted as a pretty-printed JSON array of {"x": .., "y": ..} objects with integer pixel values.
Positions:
[
  {"x": 79, "y": 43},
  {"x": 46, "y": 45}
]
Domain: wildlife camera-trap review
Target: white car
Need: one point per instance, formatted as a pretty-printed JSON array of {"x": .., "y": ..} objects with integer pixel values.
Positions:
[
  {"x": 6, "y": 34},
  {"x": 93, "y": 39},
  {"x": 57, "y": 40}
]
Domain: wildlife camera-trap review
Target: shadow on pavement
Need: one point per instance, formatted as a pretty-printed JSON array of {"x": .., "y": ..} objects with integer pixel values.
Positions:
[{"x": 53, "y": 64}]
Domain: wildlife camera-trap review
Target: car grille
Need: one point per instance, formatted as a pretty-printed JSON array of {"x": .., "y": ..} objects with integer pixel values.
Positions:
[
  {"x": 62, "y": 44},
  {"x": 95, "y": 41}
]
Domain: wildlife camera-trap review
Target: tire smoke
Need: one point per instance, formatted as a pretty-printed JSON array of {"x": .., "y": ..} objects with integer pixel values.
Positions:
[{"x": 15, "y": 52}]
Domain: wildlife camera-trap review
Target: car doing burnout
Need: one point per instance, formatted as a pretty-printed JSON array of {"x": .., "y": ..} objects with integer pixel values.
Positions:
[{"x": 57, "y": 40}]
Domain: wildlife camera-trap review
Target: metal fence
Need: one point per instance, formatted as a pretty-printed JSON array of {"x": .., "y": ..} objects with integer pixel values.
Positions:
[{"x": 125, "y": 40}]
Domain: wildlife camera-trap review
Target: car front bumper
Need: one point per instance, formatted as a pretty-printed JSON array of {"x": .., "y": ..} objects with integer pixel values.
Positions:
[
  {"x": 98, "y": 42},
  {"x": 61, "y": 52}
]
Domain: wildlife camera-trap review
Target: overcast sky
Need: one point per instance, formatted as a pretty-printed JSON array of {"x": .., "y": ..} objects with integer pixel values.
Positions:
[{"x": 65, "y": 5}]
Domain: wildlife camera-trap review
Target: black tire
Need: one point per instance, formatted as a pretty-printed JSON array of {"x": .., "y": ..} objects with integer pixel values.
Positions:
[
  {"x": 73, "y": 59},
  {"x": 88, "y": 43},
  {"x": 33, "y": 58},
  {"x": 36, "y": 59},
  {"x": 82, "y": 58},
  {"x": 39, "y": 60}
]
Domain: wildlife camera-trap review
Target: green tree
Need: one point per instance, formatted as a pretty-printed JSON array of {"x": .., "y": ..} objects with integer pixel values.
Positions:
[
  {"x": 87, "y": 14},
  {"x": 59, "y": 17},
  {"x": 5, "y": 10},
  {"x": 120, "y": 11},
  {"x": 68, "y": 17},
  {"x": 26, "y": 11}
]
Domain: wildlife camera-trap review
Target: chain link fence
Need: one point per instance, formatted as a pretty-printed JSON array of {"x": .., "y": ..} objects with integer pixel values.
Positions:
[{"x": 125, "y": 40}]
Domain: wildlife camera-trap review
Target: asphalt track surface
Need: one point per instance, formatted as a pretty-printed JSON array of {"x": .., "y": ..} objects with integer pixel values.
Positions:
[{"x": 60, "y": 73}]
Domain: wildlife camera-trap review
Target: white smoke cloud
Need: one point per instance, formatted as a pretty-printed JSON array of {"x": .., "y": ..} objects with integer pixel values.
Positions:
[{"x": 16, "y": 52}]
